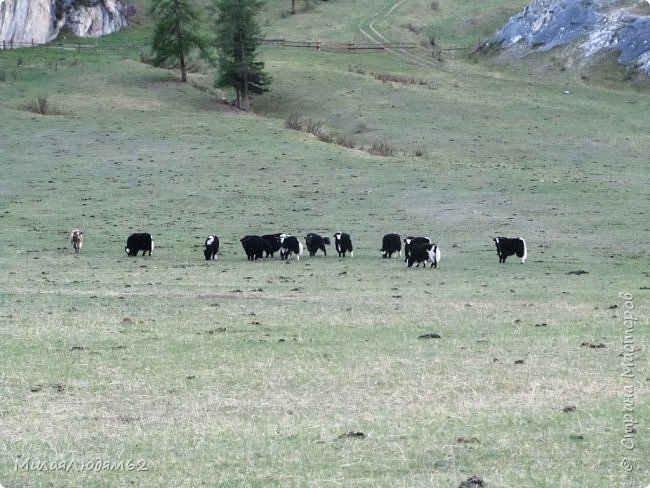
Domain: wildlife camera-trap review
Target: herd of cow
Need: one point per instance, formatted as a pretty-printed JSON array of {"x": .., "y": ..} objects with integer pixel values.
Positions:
[{"x": 417, "y": 250}]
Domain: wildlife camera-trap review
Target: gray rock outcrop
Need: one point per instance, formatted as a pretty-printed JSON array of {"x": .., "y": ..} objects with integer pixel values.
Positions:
[
  {"x": 594, "y": 25},
  {"x": 39, "y": 21}
]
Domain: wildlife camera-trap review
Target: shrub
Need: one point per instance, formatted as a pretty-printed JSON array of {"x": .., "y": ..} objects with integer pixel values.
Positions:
[
  {"x": 344, "y": 141},
  {"x": 381, "y": 148},
  {"x": 314, "y": 126},
  {"x": 413, "y": 28},
  {"x": 419, "y": 151},
  {"x": 323, "y": 137},
  {"x": 41, "y": 105},
  {"x": 293, "y": 122}
]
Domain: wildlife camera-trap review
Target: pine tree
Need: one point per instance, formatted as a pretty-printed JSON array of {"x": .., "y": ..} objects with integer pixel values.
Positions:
[
  {"x": 176, "y": 34},
  {"x": 237, "y": 38}
]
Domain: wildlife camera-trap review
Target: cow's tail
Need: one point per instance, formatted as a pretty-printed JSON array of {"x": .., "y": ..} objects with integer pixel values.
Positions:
[{"x": 524, "y": 254}]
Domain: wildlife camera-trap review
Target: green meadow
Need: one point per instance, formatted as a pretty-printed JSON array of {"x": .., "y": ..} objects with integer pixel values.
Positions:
[{"x": 173, "y": 371}]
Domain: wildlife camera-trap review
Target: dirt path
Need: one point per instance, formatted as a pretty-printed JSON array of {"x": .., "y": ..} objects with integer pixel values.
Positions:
[{"x": 367, "y": 27}]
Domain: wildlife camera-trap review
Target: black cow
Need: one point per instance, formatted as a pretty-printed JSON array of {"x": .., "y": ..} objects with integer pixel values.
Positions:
[
  {"x": 391, "y": 243},
  {"x": 290, "y": 245},
  {"x": 507, "y": 246},
  {"x": 315, "y": 242},
  {"x": 253, "y": 247},
  {"x": 410, "y": 242},
  {"x": 271, "y": 244},
  {"x": 343, "y": 244},
  {"x": 423, "y": 252},
  {"x": 139, "y": 242},
  {"x": 211, "y": 247}
]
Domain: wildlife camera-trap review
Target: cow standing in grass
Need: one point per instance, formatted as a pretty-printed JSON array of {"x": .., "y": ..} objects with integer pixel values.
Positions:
[
  {"x": 343, "y": 244},
  {"x": 290, "y": 245},
  {"x": 507, "y": 246},
  {"x": 139, "y": 242},
  {"x": 253, "y": 247},
  {"x": 410, "y": 242},
  {"x": 77, "y": 240},
  {"x": 271, "y": 244},
  {"x": 423, "y": 252},
  {"x": 211, "y": 248},
  {"x": 390, "y": 244},
  {"x": 315, "y": 242}
]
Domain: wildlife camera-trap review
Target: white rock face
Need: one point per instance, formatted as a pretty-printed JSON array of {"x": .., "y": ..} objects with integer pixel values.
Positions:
[
  {"x": 596, "y": 25},
  {"x": 39, "y": 21}
]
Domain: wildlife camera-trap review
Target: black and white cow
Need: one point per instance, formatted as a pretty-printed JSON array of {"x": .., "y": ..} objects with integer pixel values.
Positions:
[
  {"x": 410, "y": 242},
  {"x": 253, "y": 247},
  {"x": 391, "y": 243},
  {"x": 423, "y": 252},
  {"x": 271, "y": 244},
  {"x": 315, "y": 242},
  {"x": 139, "y": 242},
  {"x": 290, "y": 245},
  {"x": 77, "y": 240},
  {"x": 211, "y": 247},
  {"x": 507, "y": 246},
  {"x": 343, "y": 244}
]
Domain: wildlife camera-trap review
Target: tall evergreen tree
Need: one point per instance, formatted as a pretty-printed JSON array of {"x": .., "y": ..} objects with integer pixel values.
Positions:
[
  {"x": 176, "y": 34},
  {"x": 237, "y": 37}
]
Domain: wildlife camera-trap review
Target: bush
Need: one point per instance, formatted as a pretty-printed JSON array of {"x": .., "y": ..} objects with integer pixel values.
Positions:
[
  {"x": 314, "y": 126},
  {"x": 344, "y": 141},
  {"x": 381, "y": 148},
  {"x": 42, "y": 106},
  {"x": 419, "y": 151},
  {"x": 293, "y": 122}
]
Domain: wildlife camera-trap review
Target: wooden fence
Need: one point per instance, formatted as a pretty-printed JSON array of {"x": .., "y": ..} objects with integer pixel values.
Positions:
[{"x": 337, "y": 46}]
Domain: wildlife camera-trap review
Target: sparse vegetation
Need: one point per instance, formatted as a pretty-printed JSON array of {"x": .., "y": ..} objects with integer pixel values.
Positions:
[
  {"x": 306, "y": 124},
  {"x": 41, "y": 105},
  {"x": 381, "y": 148}
]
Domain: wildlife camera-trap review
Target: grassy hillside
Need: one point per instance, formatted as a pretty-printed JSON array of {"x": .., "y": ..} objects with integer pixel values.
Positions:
[{"x": 171, "y": 371}]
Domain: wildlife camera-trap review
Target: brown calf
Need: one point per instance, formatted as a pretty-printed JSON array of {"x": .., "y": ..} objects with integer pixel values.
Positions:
[{"x": 77, "y": 240}]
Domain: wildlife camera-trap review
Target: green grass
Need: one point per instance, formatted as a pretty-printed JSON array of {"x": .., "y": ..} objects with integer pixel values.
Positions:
[{"x": 237, "y": 373}]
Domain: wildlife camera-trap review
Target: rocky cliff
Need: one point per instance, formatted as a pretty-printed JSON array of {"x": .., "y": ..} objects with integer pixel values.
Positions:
[
  {"x": 591, "y": 25},
  {"x": 40, "y": 21}
]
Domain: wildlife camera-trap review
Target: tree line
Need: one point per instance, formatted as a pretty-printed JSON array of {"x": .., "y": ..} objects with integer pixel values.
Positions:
[{"x": 179, "y": 32}]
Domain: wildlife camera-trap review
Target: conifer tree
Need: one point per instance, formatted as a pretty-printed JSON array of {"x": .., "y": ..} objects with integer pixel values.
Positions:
[
  {"x": 237, "y": 37},
  {"x": 176, "y": 34}
]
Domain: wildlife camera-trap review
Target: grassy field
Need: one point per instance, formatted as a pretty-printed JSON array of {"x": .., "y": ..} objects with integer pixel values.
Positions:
[{"x": 172, "y": 371}]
